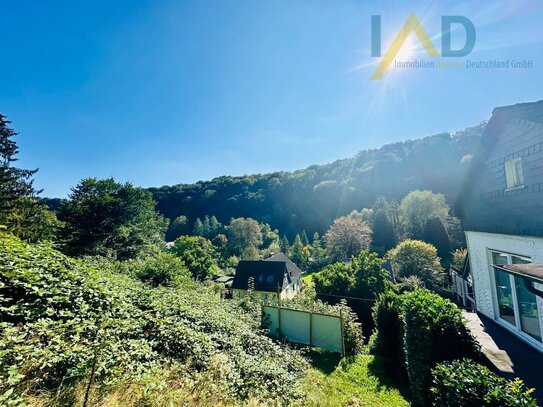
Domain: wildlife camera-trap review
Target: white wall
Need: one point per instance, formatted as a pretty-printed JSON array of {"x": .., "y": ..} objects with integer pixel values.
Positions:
[{"x": 479, "y": 244}]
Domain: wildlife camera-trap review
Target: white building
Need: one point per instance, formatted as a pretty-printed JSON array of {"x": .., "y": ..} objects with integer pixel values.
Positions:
[{"x": 502, "y": 215}]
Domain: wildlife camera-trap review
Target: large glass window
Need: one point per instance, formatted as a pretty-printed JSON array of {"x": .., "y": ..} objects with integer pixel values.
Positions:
[
  {"x": 527, "y": 304},
  {"x": 516, "y": 304}
]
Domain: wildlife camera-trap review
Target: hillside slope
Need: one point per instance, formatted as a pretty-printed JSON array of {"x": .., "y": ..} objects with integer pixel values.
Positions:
[{"x": 311, "y": 198}]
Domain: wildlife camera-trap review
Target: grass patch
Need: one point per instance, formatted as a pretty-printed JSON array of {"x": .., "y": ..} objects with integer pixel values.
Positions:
[{"x": 334, "y": 382}]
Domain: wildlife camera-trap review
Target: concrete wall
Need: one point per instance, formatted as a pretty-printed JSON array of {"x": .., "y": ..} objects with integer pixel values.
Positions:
[{"x": 479, "y": 244}]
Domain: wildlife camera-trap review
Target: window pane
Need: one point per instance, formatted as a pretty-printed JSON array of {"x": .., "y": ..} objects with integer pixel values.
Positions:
[
  {"x": 505, "y": 297},
  {"x": 527, "y": 305},
  {"x": 499, "y": 258},
  {"x": 520, "y": 260}
]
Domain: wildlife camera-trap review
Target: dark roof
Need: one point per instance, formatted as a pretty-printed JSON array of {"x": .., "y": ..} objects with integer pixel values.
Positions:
[
  {"x": 272, "y": 274},
  {"x": 291, "y": 267},
  {"x": 533, "y": 271}
]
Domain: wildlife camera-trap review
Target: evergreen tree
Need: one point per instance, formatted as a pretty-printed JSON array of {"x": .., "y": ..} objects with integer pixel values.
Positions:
[
  {"x": 104, "y": 217},
  {"x": 316, "y": 242},
  {"x": 296, "y": 252},
  {"x": 214, "y": 226},
  {"x": 179, "y": 227},
  {"x": 15, "y": 183},
  {"x": 305, "y": 240},
  {"x": 383, "y": 238},
  {"x": 198, "y": 229},
  {"x": 206, "y": 227},
  {"x": 436, "y": 234},
  {"x": 285, "y": 245}
]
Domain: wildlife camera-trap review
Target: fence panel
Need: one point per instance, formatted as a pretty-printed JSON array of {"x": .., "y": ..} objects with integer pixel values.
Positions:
[
  {"x": 295, "y": 325},
  {"x": 304, "y": 327},
  {"x": 326, "y": 332}
]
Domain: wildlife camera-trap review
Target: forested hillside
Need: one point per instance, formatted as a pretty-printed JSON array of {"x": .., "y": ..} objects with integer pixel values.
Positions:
[{"x": 312, "y": 198}]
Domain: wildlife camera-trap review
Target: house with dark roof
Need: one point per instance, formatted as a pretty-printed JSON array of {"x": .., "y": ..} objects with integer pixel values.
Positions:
[
  {"x": 501, "y": 208},
  {"x": 276, "y": 276}
]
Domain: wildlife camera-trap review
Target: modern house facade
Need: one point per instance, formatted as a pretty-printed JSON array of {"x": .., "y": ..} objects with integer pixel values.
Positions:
[
  {"x": 502, "y": 215},
  {"x": 276, "y": 277}
]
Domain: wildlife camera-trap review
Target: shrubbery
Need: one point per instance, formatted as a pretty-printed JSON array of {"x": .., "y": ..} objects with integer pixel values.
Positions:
[
  {"x": 417, "y": 258},
  {"x": 387, "y": 338},
  {"x": 162, "y": 269},
  {"x": 464, "y": 383},
  {"x": 434, "y": 332},
  {"x": 364, "y": 278},
  {"x": 59, "y": 316}
]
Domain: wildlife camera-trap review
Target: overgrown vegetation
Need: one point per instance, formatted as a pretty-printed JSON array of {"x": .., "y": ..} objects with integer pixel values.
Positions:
[
  {"x": 61, "y": 317},
  {"x": 464, "y": 383},
  {"x": 434, "y": 331}
]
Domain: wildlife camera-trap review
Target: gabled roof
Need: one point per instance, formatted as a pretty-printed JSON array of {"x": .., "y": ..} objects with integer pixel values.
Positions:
[
  {"x": 272, "y": 274},
  {"x": 292, "y": 268},
  {"x": 485, "y": 203}
]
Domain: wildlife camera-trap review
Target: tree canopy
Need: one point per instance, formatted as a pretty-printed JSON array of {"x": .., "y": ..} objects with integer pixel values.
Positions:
[
  {"x": 104, "y": 217},
  {"x": 346, "y": 237}
]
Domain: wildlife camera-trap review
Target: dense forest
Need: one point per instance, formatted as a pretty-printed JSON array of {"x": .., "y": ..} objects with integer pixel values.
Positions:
[{"x": 312, "y": 198}]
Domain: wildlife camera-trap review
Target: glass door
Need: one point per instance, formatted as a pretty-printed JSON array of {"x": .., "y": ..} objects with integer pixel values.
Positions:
[
  {"x": 526, "y": 304},
  {"x": 504, "y": 289},
  {"x": 516, "y": 304}
]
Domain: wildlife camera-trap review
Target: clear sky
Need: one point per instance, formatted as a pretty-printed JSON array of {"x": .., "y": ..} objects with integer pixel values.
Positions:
[{"x": 167, "y": 92}]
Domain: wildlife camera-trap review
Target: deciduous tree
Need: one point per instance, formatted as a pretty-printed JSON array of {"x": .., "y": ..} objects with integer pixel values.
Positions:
[{"x": 346, "y": 237}]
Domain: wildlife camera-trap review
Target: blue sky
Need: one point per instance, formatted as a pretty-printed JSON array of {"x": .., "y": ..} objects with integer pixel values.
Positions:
[{"x": 179, "y": 91}]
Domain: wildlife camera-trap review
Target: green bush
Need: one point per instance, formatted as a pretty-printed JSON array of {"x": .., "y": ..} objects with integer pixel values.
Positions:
[
  {"x": 417, "y": 258},
  {"x": 464, "y": 383},
  {"x": 58, "y": 316},
  {"x": 198, "y": 254},
  {"x": 162, "y": 269},
  {"x": 434, "y": 332},
  {"x": 387, "y": 338}
]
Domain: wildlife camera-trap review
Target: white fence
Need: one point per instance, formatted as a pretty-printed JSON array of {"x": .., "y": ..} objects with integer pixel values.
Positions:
[{"x": 304, "y": 327}]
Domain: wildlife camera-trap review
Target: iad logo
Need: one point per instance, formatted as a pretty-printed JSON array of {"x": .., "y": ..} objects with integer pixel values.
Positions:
[{"x": 414, "y": 25}]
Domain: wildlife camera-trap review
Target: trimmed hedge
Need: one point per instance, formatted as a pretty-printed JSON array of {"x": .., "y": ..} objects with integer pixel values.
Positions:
[
  {"x": 464, "y": 383},
  {"x": 434, "y": 332},
  {"x": 387, "y": 338}
]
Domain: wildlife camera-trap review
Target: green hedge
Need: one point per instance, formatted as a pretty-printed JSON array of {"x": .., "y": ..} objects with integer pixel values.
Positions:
[
  {"x": 387, "y": 338},
  {"x": 464, "y": 383},
  {"x": 434, "y": 332}
]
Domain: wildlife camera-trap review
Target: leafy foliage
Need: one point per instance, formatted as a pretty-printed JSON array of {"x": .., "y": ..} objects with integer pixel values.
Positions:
[
  {"x": 363, "y": 277},
  {"x": 243, "y": 234},
  {"x": 387, "y": 338},
  {"x": 198, "y": 254},
  {"x": 458, "y": 258},
  {"x": 420, "y": 206},
  {"x": 436, "y": 235},
  {"x": 346, "y": 237},
  {"x": 30, "y": 220},
  {"x": 434, "y": 332},
  {"x": 312, "y": 198},
  {"x": 60, "y": 316},
  {"x": 464, "y": 383},
  {"x": 419, "y": 259},
  {"x": 104, "y": 217},
  {"x": 161, "y": 269},
  {"x": 384, "y": 237},
  {"x": 15, "y": 183}
]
